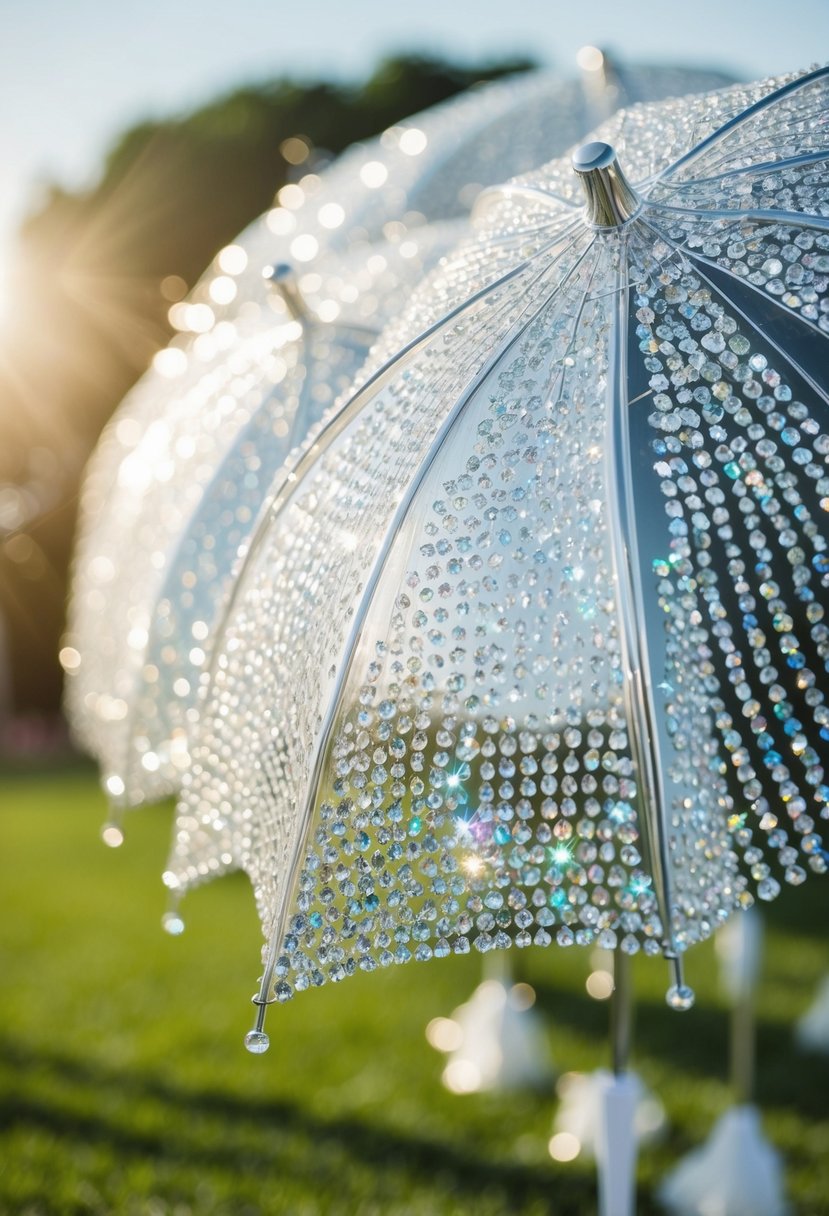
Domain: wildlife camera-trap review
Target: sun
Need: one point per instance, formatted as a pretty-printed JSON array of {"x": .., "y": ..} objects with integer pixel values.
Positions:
[{"x": 6, "y": 284}]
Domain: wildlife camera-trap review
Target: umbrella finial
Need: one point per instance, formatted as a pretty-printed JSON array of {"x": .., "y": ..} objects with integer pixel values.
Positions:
[
  {"x": 282, "y": 278},
  {"x": 611, "y": 200}
]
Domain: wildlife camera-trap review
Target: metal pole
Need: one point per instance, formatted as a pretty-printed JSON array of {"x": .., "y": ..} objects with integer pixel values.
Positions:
[
  {"x": 743, "y": 1049},
  {"x": 621, "y": 1013}
]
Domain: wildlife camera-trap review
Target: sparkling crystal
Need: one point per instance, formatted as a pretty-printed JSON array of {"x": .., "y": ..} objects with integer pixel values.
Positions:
[
  {"x": 257, "y": 1042},
  {"x": 680, "y": 997},
  {"x": 429, "y": 690},
  {"x": 172, "y": 923}
]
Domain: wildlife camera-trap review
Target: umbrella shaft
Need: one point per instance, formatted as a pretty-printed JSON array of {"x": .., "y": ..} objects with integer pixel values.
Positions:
[
  {"x": 743, "y": 1050},
  {"x": 621, "y": 1013}
]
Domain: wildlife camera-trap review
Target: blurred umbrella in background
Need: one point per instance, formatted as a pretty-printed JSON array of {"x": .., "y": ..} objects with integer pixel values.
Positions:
[
  {"x": 577, "y": 1127},
  {"x": 495, "y": 1040},
  {"x": 177, "y": 484},
  {"x": 180, "y": 476},
  {"x": 578, "y": 1124},
  {"x": 736, "y": 1171},
  {"x": 812, "y": 1031},
  {"x": 97, "y": 274},
  {"x": 432, "y": 166},
  {"x": 443, "y": 713}
]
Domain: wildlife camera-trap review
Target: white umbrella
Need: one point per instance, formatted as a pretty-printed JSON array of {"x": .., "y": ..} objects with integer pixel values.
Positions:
[
  {"x": 812, "y": 1030},
  {"x": 443, "y": 714},
  {"x": 736, "y": 1171},
  {"x": 175, "y": 489},
  {"x": 495, "y": 1039},
  {"x": 177, "y": 485},
  {"x": 580, "y": 1122},
  {"x": 181, "y": 472},
  {"x": 378, "y": 551}
]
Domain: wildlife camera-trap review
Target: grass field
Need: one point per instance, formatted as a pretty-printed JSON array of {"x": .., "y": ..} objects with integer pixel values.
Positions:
[{"x": 125, "y": 1088}]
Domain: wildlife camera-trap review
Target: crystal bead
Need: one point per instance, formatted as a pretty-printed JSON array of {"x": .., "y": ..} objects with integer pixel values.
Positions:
[
  {"x": 680, "y": 997},
  {"x": 257, "y": 1042},
  {"x": 112, "y": 835}
]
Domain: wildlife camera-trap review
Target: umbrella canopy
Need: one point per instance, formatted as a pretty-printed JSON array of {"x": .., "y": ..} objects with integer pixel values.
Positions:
[
  {"x": 432, "y": 166},
  {"x": 180, "y": 474},
  {"x": 177, "y": 484},
  {"x": 527, "y": 647}
]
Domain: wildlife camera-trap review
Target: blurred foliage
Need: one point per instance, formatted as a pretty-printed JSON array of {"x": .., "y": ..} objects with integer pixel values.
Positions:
[
  {"x": 90, "y": 312},
  {"x": 124, "y": 1086}
]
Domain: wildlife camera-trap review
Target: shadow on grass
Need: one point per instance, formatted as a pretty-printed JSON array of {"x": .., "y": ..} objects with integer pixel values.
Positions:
[
  {"x": 697, "y": 1043},
  {"x": 99, "y": 1106},
  {"x": 800, "y": 910}
]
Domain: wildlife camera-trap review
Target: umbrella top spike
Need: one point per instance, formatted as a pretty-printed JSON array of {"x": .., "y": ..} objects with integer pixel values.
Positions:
[
  {"x": 283, "y": 279},
  {"x": 611, "y": 200}
]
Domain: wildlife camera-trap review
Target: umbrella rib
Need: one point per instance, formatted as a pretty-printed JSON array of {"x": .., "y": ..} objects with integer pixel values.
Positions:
[
  {"x": 800, "y": 219},
  {"x": 552, "y": 229},
  {"x": 331, "y": 428},
  {"x": 766, "y": 166},
  {"x": 557, "y": 369},
  {"x": 744, "y": 116},
  {"x": 262, "y": 1000},
  {"x": 128, "y": 751},
  {"x": 700, "y": 261},
  {"x": 532, "y": 194},
  {"x": 638, "y": 685}
]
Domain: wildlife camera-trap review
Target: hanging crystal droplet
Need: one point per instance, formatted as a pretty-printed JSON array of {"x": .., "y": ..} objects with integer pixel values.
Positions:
[
  {"x": 112, "y": 835},
  {"x": 257, "y": 1042},
  {"x": 172, "y": 923},
  {"x": 680, "y": 997}
]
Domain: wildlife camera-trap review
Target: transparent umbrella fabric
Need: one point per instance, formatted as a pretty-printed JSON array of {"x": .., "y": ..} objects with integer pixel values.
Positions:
[
  {"x": 431, "y": 167},
  {"x": 368, "y": 210},
  {"x": 201, "y": 564},
  {"x": 482, "y": 734},
  {"x": 549, "y": 597},
  {"x": 183, "y": 500}
]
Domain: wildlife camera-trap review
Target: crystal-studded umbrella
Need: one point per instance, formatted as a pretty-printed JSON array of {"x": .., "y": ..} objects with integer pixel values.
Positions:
[
  {"x": 177, "y": 482},
  {"x": 181, "y": 472},
  {"x": 430, "y": 168},
  {"x": 528, "y": 648}
]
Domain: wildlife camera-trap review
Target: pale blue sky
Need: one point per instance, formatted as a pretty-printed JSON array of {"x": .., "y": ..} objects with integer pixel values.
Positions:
[{"x": 73, "y": 73}]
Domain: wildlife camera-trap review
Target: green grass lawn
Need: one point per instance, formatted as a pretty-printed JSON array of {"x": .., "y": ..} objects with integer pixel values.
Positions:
[{"x": 125, "y": 1087}]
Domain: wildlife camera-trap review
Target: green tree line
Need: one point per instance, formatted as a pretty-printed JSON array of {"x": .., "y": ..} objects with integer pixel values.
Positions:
[{"x": 89, "y": 310}]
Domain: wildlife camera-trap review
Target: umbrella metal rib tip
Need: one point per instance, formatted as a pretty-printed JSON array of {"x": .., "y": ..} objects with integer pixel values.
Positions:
[
  {"x": 257, "y": 1042},
  {"x": 611, "y": 200}
]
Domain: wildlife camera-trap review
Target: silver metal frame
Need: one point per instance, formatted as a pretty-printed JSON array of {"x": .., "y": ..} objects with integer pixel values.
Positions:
[{"x": 262, "y": 998}]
